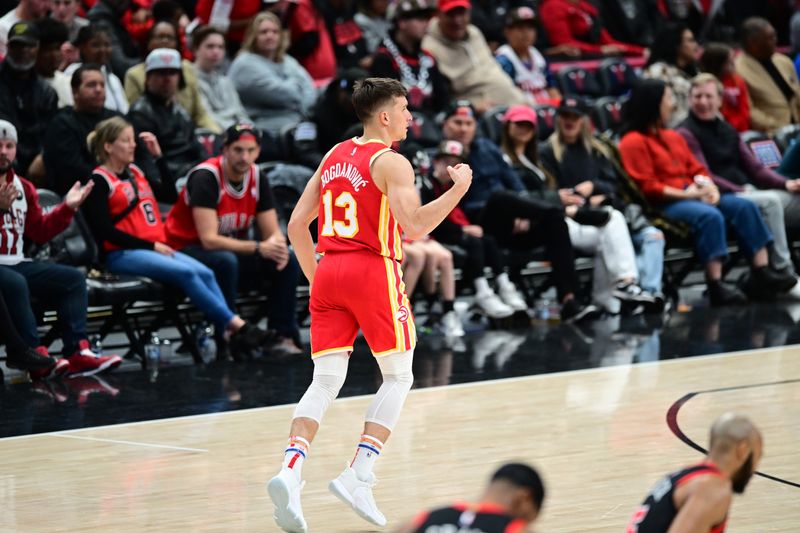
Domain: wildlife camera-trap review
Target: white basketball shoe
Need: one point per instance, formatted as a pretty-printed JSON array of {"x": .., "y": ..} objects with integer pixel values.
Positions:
[
  {"x": 284, "y": 490},
  {"x": 358, "y": 495}
]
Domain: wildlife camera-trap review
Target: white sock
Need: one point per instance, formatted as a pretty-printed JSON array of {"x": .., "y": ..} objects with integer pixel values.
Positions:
[
  {"x": 295, "y": 455},
  {"x": 482, "y": 287},
  {"x": 368, "y": 450},
  {"x": 504, "y": 283}
]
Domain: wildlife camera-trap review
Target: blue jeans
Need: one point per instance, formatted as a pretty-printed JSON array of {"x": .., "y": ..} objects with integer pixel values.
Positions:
[
  {"x": 62, "y": 285},
  {"x": 194, "y": 278},
  {"x": 649, "y": 246},
  {"x": 229, "y": 268},
  {"x": 708, "y": 225}
]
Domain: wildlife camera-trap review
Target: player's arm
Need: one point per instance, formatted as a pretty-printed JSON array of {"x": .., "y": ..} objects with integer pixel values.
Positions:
[
  {"x": 706, "y": 506},
  {"x": 304, "y": 213},
  {"x": 418, "y": 220},
  {"x": 207, "y": 225}
]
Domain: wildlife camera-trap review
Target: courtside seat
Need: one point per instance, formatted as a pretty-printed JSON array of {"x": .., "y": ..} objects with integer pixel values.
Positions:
[
  {"x": 616, "y": 76},
  {"x": 76, "y": 247},
  {"x": 492, "y": 123}
]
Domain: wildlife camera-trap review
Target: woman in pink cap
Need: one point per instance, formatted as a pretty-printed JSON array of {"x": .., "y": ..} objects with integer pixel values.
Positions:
[{"x": 594, "y": 227}]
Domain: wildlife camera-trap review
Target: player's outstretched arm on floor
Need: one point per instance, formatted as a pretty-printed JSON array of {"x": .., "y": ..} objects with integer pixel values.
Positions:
[
  {"x": 417, "y": 220},
  {"x": 304, "y": 213}
]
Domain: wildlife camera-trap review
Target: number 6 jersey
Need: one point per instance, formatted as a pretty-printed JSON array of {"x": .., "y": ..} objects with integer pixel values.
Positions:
[
  {"x": 354, "y": 214},
  {"x": 132, "y": 206}
]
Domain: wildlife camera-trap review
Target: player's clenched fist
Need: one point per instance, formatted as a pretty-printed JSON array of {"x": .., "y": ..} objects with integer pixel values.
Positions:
[{"x": 461, "y": 175}]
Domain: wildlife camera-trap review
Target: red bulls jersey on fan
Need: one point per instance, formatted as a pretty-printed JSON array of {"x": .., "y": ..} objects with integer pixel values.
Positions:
[
  {"x": 144, "y": 220},
  {"x": 353, "y": 213},
  {"x": 236, "y": 210}
]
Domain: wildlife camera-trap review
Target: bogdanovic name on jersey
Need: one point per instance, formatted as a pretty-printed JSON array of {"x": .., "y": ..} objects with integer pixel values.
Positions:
[{"x": 347, "y": 171}]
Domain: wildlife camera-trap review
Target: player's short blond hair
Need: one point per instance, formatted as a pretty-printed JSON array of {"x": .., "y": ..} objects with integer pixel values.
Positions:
[{"x": 370, "y": 94}]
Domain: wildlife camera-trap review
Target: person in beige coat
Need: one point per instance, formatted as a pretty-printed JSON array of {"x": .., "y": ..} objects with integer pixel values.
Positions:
[
  {"x": 464, "y": 57},
  {"x": 164, "y": 35},
  {"x": 771, "y": 78}
]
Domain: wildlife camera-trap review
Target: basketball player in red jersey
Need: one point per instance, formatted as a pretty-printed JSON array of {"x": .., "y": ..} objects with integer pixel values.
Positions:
[
  {"x": 364, "y": 195},
  {"x": 509, "y": 504},
  {"x": 696, "y": 499}
]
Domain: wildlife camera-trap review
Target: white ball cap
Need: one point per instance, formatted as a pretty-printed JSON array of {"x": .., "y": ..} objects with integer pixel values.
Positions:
[
  {"x": 162, "y": 59},
  {"x": 7, "y": 131}
]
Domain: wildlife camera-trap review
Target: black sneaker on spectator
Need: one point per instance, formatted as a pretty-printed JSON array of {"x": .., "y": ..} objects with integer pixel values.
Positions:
[
  {"x": 247, "y": 339},
  {"x": 573, "y": 312},
  {"x": 766, "y": 283},
  {"x": 721, "y": 293},
  {"x": 29, "y": 359}
]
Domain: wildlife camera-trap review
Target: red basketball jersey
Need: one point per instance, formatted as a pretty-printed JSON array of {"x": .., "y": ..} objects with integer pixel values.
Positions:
[
  {"x": 236, "y": 210},
  {"x": 144, "y": 220},
  {"x": 353, "y": 213}
]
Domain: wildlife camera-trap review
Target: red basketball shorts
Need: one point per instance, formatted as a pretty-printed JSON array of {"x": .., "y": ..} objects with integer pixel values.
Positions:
[{"x": 353, "y": 290}]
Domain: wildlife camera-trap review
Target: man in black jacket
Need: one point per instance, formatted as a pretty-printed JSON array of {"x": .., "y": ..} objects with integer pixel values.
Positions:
[
  {"x": 25, "y": 98},
  {"x": 158, "y": 111},
  {"x": 124, "y": 51},
  {"x": 66, "y": 157},
  {"x": 400, "y": 56}
]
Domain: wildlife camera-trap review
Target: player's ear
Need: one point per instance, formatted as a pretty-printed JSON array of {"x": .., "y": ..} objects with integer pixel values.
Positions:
[{"x": 743, "y": 449}]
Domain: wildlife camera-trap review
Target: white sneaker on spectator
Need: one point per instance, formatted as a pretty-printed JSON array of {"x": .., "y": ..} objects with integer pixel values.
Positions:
[
  {"x": 492, "y": 306},
  {"x": 512, "y": 297},
  {"x": 358, "y": 495},
  {"x": 451, "y": 325},
  {"x": 284, "y": 491}
]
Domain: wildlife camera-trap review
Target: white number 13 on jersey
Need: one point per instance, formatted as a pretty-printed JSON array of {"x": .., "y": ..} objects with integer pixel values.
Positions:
[{"x": 347, "y": 228}]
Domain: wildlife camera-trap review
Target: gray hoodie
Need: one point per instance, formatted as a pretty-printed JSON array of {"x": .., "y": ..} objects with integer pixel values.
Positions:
[{"x": 273, "y": 94}]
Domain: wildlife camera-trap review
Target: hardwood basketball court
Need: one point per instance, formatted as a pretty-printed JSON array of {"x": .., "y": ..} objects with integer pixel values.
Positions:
[{"x": 600, "y": 437}]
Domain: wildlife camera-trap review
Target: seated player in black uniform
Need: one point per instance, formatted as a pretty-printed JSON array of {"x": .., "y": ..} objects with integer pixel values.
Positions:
[
  {"x": 510, "y": 503},
  {"x": 696, "y": 499}
]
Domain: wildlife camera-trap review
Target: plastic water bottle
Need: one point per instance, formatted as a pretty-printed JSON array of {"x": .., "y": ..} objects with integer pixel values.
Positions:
[
  {"x": 205, "y": 343},
  {"x": 541, "y": 309},
  {"x": 152, "y": 351},
  {"x": 96, "y": 344}
]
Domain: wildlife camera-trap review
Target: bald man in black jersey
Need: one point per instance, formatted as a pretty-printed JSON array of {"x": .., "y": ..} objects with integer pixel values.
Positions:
[
  {"x": 696, "y": 499},
  {"x": 510, "y": 503}
]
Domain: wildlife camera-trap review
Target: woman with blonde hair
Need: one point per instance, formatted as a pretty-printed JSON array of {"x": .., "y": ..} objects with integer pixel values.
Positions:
[
  {"x": 275, "y": 89},
  {"x": 128, "y": 228}
]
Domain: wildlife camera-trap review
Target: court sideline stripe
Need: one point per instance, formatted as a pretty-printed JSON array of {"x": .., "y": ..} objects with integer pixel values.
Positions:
[
  {"x": 127, "y": 442},
  {"x": 698, "y": 358}
]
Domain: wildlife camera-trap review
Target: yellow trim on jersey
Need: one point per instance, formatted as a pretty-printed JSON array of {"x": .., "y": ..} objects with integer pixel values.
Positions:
[
  {"x": 390, "y": 282},
  {"x": 398, "y": 242},
  {"x": 377, "y": 154},
  {"x": 331, "y": 350},
  {"x": 367, "y": 141},
  {"x": 383, "y": 226}
]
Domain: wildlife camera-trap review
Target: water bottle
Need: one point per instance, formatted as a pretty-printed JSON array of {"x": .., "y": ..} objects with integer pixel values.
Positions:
[
  {"x": 205, "y": 343},
  {"x": 152, "y": 351},
  {"x": 96, "y": 344},
  {"x": 541, "y": 309}
]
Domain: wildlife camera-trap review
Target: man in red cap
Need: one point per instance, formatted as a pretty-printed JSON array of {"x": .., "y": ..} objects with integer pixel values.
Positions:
[{"x": 466, "y": 59}]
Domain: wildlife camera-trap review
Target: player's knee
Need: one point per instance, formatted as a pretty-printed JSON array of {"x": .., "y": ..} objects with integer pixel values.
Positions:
[
  {"x": 397, "y": 368},
  {"x": 330, "y": 372}
]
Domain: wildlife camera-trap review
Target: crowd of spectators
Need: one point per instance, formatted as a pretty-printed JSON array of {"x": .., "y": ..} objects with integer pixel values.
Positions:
[{"x": 188, "y": 98}]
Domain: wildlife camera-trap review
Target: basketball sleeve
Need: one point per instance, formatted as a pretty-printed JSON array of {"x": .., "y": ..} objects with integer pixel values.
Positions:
[
  {"x": 202, "y": 189},
  {"x": 266, "y": 200}
]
